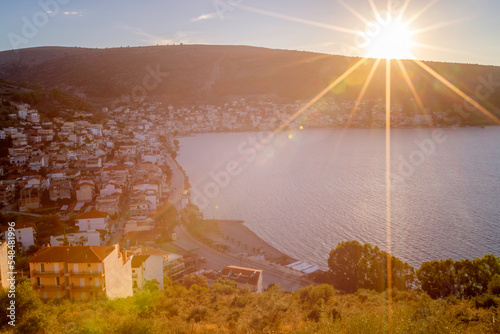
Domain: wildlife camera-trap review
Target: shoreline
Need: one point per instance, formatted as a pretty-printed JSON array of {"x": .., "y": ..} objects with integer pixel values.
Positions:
[
  {"x": 242, "y": 240},
  {"x": 313, "y": 128}
]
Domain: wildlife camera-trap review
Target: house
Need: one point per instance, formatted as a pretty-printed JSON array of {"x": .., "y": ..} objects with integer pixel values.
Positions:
[
  {"x": 88, "y": 238},
  {"x": 85, "y": 190},
  {"x": 93, "y": 220},
  {"x": 109, "y": 189},
  {"x": 108, "y": 204},
  {"x": 94, "y": 163},
  {"x": 60, "y": 190},
  {"x": 18, "y": 159},
  {"x": 7, "y": 192},
  {"x": 81, "y": 272},
  {"x": 36, "y": 163},
  {"x": 245, "y": 277},
  {"x": 25, "y": 234},
  {"x": 139, "y": 225},
  {"x": 30, "y": 197},
  {"x": 139, "y": 209},
  {"x": 146, "y": 268},
  {"x": 172, "y": 265},
  {"x": 57, "y": 175}
]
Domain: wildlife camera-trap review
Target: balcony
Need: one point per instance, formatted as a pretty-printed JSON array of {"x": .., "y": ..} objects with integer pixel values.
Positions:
[
  {"x": 87, "y": 273},
  {"x": 48, "y": 287},
  {"x": 87, "y": 287},
  {"x": 47, "y": 273}
]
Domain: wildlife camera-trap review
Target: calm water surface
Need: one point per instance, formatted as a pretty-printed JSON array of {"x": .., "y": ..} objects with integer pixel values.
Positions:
[{"x": 305, "y": 191}]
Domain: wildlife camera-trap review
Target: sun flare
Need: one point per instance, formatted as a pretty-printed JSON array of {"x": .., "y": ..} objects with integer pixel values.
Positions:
[{"x": 392, "y": 40}]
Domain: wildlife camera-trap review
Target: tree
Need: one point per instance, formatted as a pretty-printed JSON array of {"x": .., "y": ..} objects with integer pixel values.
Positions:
[
  {"x": 438, "y": 278},
  {"x": 354, "y": 266},
  {"x": 152, "y": 285},
  {"x": 167, "y": 218},
  {"x": 191, "y": 215},
  {"x": 191, "y": 280},
  {"x": 494, "y": 285},
  {"x": 462, "y": 279}
]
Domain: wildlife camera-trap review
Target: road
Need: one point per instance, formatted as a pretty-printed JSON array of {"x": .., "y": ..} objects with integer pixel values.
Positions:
[
  {"x": 217, "y": 260},
  {"x": 177, "y": 183}
]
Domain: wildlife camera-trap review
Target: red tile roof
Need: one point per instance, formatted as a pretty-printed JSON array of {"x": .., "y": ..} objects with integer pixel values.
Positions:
[
  {"x": 138, "y": 260},
  {"x": 72, "y": 254}
]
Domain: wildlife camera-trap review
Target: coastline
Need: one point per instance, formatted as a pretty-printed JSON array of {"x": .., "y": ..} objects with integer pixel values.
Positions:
[
  {"x": 242, "y": 240},
  {"x": 313, "y": 128}
]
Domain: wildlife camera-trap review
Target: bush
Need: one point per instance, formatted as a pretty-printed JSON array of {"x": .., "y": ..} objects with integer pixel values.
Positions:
[
  {"x": 198, "y": 313},
  {"x": 494, "y": 285},
  {"x": 224, "y": 287},
  {"x": 485, "y": 301}
]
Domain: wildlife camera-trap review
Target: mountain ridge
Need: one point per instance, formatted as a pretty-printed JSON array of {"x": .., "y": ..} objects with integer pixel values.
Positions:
[{"x": 210, "y": 74}]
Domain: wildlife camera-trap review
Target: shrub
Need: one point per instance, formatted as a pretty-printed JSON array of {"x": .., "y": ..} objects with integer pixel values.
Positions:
[
  {"x": 494, "y": 285},
  {"x": 485, "y": 301},
  {"x": 198, "y": 313}
]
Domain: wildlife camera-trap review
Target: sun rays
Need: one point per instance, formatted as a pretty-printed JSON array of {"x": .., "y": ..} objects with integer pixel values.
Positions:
[{"x": 393, "y": 40}]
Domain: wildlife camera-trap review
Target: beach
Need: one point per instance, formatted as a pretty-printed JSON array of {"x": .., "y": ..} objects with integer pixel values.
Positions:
[{"x": 241, "y": 240}]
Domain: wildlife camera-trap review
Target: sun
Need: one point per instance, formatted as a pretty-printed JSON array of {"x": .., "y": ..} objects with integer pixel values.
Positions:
[{"x": 391, "y": 40}]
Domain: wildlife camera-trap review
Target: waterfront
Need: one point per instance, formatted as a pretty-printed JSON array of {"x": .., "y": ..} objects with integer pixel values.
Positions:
[{"x": 305, "y": 191}]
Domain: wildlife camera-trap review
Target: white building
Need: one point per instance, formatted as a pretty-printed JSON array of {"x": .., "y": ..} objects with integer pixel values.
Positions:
[
  {"x": 25, "y": 234},
  {"x": 93, "y": 220},
  {"x": 88, "y": 238}
]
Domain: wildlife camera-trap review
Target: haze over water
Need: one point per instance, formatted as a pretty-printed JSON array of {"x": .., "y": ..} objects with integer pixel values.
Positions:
[{"x": 309, "y": 190}]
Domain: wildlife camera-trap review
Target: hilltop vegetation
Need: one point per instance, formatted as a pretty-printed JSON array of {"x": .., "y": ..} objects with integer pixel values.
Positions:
[
  {"x": 223, "y": 308},
  {"x": 195, "y": 74},
  {"x": 194, "y": 307},
  {"x": 49, "y": 102}
]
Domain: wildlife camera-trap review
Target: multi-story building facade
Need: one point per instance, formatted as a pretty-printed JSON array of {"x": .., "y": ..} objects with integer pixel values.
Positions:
[{"x": 81, "y": 272}]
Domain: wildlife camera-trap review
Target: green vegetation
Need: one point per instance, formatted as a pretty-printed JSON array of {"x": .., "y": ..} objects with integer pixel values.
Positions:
[
  {"x": 49, "y": 102},
  {"x": 198, "y": 227},
  {"x": 223, "y": 308},
  {"x": 442, "y": 297},
  {"x": 460, "y": 279},
  {"x": 354, "y": 266}
]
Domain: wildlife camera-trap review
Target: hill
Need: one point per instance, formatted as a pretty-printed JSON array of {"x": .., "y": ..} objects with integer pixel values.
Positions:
[
  {"x": 203, "y": 73},
  {"x": 223, "y": 308},
  {"x": 49, "y": 102}
]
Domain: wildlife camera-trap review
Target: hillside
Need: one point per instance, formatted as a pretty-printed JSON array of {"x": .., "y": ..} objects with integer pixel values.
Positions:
[
  {"x": 202, "y": 73},
  {"x": 49, "y": 102},
  {"x": 223, "y": 308}
]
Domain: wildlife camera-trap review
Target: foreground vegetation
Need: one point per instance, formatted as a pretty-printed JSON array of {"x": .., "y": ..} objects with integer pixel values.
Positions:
[
  {"x": 440, "y": 297},
  {"x": 223, "y": 308}
]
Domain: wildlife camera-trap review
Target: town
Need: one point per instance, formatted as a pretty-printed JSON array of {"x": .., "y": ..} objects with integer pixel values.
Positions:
[
  {"x": 98, "y": 207},
  {"x": 111, "y": 192}
]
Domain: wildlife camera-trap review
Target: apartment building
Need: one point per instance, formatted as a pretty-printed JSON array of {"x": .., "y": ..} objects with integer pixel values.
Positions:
[{"x": 81, "y": 272}]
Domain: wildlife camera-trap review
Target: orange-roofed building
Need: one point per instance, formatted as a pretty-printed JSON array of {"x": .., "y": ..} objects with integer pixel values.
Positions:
[{"x": 81, "y": 272}]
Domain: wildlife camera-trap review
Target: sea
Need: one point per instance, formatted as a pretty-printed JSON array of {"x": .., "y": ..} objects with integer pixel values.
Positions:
[{"x": 436, "y": 195}]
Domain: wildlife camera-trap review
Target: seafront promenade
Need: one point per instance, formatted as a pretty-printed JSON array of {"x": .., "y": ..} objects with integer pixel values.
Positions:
[{"x": 273, "y": 272}]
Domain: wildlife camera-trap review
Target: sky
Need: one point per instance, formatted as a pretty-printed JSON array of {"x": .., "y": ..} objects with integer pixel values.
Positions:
[{"x": 447, "y": 30}]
